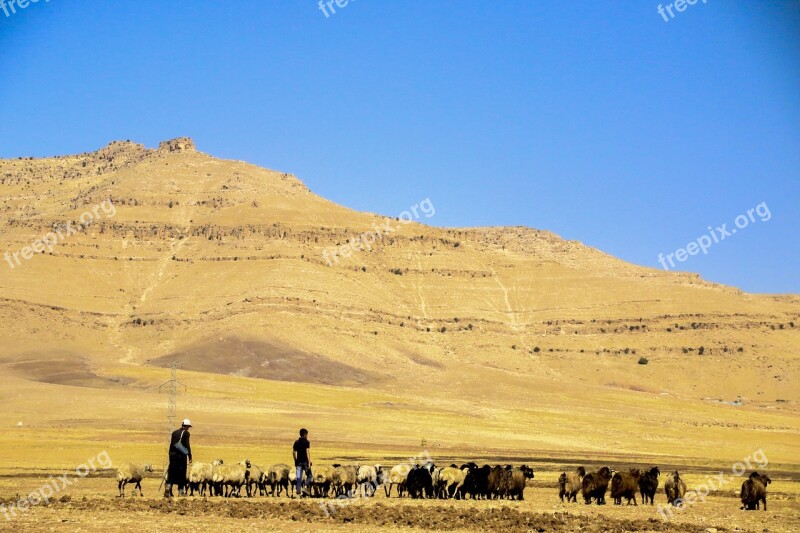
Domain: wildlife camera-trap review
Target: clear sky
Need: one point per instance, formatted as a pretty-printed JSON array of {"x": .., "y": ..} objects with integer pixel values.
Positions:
[{"x": 597, "y": 120}]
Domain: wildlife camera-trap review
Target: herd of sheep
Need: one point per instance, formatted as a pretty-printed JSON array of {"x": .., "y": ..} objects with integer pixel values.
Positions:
[{"x": 428, "y": 481}]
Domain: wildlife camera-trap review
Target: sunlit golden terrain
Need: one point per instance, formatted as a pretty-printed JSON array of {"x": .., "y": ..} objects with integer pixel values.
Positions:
[{"x": 493, "y": 344}]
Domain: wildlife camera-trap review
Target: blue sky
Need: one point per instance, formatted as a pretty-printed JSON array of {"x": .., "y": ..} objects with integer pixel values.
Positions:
[{"x": 596, "y": 120}]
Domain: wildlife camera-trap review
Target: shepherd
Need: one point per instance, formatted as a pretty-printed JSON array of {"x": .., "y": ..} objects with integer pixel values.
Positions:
[
  {"x": 179, "y": 451},
  {"x": 302, "y": 463}
]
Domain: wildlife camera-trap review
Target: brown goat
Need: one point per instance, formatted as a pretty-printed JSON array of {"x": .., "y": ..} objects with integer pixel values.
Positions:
[
  {"x": 498, "y": 481},
  {"x": 754, "y": 491},
  {"x": 569, "y": 484},
  {"x": 675, "y": 489},
  {"x": 648, "y": 484},
  {"x": 595, "y": 485},
  {"x": 625, "y": 485},
  {"x": 515, "y": 483}
]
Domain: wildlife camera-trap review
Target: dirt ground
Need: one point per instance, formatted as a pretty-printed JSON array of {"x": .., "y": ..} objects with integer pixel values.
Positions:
[{"x": 91, "y": 505}]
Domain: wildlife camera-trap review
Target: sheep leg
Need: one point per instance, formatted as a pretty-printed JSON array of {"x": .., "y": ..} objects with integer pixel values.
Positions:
[
  {"x": 138, "y": 486},
  {"x": 121, "y": 487}
]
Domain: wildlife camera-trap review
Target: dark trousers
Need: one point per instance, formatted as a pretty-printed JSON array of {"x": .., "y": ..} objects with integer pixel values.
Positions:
[{"x": 176, "y": 473}]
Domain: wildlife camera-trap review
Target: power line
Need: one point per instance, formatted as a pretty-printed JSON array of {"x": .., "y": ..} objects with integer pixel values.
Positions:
[{"x": 171, "y": 388}]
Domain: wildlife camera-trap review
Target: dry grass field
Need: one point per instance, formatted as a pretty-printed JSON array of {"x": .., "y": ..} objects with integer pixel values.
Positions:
[{"x": 498, "y": 345}]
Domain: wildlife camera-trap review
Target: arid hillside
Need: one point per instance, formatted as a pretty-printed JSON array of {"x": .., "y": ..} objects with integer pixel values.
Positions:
[{"x": 486, "y": 339}]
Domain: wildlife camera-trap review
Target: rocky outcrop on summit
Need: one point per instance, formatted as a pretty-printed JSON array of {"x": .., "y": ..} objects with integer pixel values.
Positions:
[{"x": 179, "y": 144}]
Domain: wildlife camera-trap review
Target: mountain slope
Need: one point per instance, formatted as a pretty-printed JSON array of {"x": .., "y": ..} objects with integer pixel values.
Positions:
[{"x": 222, "y": 266}]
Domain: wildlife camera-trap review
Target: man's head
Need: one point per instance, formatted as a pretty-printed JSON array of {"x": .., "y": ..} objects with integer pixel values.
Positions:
[
  {"x": 186, "y": 424},
  {"x": 304, "y": 432}
]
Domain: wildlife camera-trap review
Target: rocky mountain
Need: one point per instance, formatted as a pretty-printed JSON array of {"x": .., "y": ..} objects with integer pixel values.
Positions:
[{"x": 235, "y": 270}]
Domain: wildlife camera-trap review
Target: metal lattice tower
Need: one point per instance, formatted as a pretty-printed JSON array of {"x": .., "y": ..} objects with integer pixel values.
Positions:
[{"x": 171, "y": 388}]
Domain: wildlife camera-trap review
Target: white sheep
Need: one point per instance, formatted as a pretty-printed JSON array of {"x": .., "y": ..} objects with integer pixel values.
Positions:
[
  {"x": 397, "y": 476},
  {"x": 321, "y": 480},
  {"x": 258, "y": 478},
  {"x": 231, "y": 477},
  {"x": 201, "y": 476},
  {"x": 344, "y": 480},
  {"x": 278, "y": 478},
  {"x": 367, "y": 478},
  {"x": 131, "y": 473},
  {"x": 451, "y": 479}
]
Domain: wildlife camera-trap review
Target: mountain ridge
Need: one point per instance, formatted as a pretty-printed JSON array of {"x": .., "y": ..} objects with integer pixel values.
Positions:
[{"x": 200, "y": 248}]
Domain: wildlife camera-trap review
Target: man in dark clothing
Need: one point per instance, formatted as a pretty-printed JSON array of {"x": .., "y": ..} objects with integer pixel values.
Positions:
[
  {"x": 179, "y": 451},
  {"x": 302, "y": 462}
]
